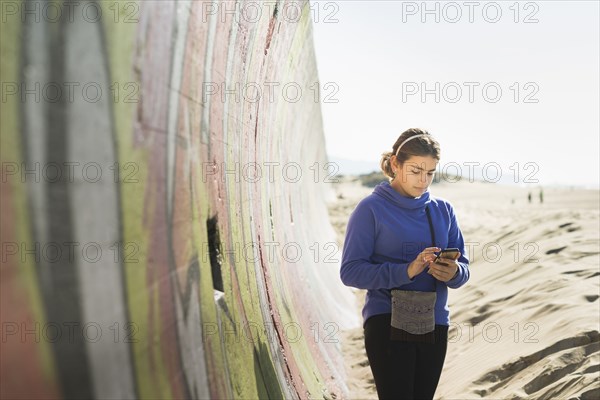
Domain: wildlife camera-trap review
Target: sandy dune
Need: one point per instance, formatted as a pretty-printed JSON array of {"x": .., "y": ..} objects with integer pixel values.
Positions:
[{"x": 527, "y": 323}]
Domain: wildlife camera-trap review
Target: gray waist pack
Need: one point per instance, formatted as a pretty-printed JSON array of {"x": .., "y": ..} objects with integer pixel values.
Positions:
[{"x": 413, "y": 316}]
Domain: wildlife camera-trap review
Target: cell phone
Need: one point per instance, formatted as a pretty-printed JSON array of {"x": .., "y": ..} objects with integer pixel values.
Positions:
[{"x": 448, "y": 254}]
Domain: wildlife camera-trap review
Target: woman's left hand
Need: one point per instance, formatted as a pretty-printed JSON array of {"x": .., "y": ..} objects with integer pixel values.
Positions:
[{"x": 443, "y": 271}]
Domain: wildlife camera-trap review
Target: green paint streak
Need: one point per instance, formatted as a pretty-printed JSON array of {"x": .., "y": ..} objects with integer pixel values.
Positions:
[
  {"x": 300, "y": 46},
  {"x": 247, "y": 351},
  {"x": 240, "y": 353},
  {"x": 11, "y": 152},
  {"x": 121, "y": 21}
]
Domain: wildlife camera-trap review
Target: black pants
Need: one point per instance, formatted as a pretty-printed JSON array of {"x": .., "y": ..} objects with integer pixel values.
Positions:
[{"x": 404, "y": 370}]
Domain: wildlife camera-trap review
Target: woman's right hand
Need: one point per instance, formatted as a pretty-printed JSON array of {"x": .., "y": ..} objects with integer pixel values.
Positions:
[{"x": 422, "y": 260}]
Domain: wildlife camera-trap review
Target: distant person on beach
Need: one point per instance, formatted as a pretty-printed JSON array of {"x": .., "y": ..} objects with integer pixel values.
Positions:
[
  {"x": 541, "y": 195},
  {"x": 529, "y": 197},
  {"x": 391, "y": 242}
]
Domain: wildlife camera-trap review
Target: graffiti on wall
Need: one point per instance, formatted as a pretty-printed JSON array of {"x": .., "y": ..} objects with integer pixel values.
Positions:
[{"x": 164, "y": 229}]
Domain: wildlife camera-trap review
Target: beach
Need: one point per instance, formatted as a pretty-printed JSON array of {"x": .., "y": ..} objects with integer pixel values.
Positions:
[{"x": 527, "y": 323}]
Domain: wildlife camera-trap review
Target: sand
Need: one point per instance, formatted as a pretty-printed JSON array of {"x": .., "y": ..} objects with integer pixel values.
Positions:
[{"x": 527, "y": 323}]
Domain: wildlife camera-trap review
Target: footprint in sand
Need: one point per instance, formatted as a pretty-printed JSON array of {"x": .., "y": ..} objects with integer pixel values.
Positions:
[
  {"x": 556, "y": 251},
  {"x": 582, "y": 273},
  {"x": 571, "y": 228}
]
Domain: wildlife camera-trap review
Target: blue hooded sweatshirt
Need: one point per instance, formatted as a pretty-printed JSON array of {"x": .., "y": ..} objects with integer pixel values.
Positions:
[{"x": 385, "y": 233}]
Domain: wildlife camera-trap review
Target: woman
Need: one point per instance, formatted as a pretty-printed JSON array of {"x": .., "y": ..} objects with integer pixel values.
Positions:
[{"x": 388, "y": 245}]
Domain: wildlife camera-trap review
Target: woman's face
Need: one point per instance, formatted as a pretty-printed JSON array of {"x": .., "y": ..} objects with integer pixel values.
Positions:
[{"x": 414, "y": 176}]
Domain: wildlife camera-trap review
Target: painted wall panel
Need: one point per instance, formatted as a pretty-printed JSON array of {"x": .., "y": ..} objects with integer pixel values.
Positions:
[{"x": 164, "y": 229}]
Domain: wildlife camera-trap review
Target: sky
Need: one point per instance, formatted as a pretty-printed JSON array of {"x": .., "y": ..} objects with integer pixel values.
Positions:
[{"x": 509, "y": 89}]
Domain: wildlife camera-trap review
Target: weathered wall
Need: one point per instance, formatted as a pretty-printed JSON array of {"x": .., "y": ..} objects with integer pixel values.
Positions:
[{"x": 162, "y": 239}]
